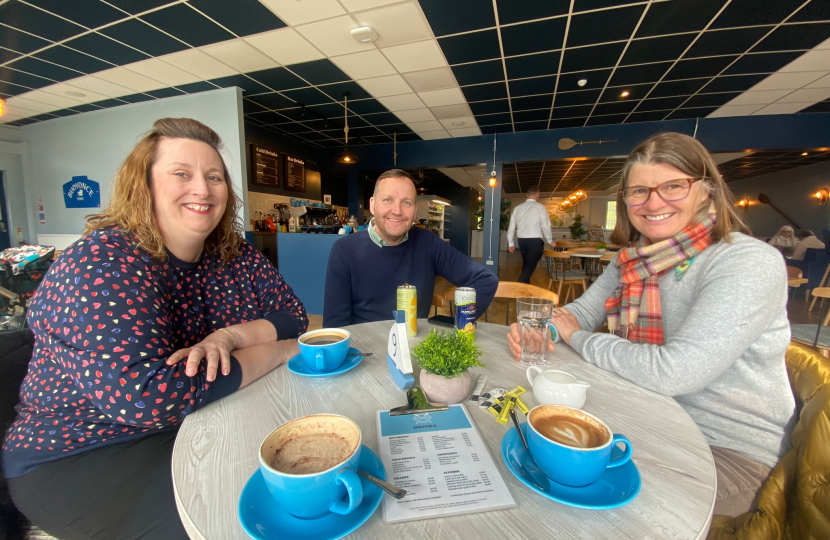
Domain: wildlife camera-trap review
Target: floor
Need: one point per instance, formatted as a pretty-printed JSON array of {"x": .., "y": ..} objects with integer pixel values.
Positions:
[{"x": 510, "y": 266}]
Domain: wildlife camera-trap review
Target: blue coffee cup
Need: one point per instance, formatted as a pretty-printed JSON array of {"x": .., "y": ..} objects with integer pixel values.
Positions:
[
  {"x": 569, "y": 464},
  {"x": 325, "y": 349},
  {"x": 290, "y": 456}
]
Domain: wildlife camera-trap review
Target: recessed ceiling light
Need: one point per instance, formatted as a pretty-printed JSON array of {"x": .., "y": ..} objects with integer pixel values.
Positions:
[
  {"x": 582, "y": 82},
  {"x": 75, "y": 94},
  {"x": 624, "y": 93},
  {"x": 364, "y": 34},
  {"x": 458, "y": 123}
]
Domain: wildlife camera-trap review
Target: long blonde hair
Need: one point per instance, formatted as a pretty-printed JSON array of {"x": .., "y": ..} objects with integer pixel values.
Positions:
[
  {"x": 131, "y": 207},
  {"x": 688, "y": 156}
]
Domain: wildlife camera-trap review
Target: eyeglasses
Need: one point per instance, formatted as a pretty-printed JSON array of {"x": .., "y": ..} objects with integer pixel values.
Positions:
[{"x": 671, "y": 191}]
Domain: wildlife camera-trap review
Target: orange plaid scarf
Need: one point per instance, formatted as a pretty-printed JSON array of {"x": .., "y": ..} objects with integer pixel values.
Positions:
[{"x": 640, "y": 268}]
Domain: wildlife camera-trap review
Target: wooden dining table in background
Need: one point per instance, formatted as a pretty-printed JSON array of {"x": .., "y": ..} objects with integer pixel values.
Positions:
[{"x": 217, "y": 446}]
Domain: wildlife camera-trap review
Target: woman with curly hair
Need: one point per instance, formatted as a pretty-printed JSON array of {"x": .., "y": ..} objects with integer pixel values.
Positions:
[{"x": 132, "y": 325}]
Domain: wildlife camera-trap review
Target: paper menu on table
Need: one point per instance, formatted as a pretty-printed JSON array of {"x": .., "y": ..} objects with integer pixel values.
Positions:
[{"x": 442, "y": 462}]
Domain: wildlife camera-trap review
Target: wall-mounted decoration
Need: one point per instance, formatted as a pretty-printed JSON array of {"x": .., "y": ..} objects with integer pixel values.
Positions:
[
  {"x": 294, "y": 174},
  {"x": 326, "y": 199},
  {"x": 81, "y": 192},
  {"x": 266, "y": 167}
]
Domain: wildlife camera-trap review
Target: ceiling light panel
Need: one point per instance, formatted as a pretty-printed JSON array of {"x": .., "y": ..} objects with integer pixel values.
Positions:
[
  {"x": 387, "y": 23},
  {"x": 285, "y": 46},
  {"x": 295, "y": 13},
  {"x": 333, "y": 36},
  {"x": 416, "y": 56},
  {"x": 364, "y": 65}
]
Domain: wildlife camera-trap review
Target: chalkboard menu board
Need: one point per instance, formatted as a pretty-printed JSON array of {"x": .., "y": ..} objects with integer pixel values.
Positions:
[
  {"x": 266, "y": 167},
  {"x": 294, "y": 174}
]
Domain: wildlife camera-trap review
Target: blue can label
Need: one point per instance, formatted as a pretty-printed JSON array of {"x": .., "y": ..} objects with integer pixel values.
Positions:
[{"x": 465, "y": 310}]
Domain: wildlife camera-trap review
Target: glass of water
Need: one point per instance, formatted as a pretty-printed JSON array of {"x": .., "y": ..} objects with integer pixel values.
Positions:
[{"x": 533, "y": 315}]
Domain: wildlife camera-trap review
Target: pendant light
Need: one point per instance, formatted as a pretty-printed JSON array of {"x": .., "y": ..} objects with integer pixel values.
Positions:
[{"x": 346, "y": 157}]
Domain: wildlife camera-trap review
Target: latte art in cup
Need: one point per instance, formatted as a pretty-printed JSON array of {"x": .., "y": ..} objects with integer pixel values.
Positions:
[{"x": 570, "y": 429}]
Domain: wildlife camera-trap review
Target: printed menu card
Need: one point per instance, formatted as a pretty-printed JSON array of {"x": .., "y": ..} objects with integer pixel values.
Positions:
[{"x": 442, "y": 463}]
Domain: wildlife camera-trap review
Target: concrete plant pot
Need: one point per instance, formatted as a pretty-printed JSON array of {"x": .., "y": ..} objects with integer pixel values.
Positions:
[{"x": 440, "y": 389}]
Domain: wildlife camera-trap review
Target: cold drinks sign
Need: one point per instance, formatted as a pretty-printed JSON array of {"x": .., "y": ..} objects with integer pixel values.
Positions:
[{"x": 81, "y": 192}]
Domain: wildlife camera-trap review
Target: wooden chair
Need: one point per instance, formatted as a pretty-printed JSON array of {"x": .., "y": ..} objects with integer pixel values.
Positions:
[
  {"x": 795, "y": 279},
  {"x": 815, "y": 335},
  {"x": 560, "y": 271},
  {"x": 438, "y": 301},
  {"x": 565, "y": 244},
  {"x": 514, "y": 289}
]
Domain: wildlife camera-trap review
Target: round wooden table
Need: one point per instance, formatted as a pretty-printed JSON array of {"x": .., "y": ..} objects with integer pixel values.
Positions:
[{"x": 216, "y": 449}]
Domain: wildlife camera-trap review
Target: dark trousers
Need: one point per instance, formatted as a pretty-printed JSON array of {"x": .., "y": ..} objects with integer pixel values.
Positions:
[
  {"x": 122, "y": 491},
  {"x": 532, "y": 250}
]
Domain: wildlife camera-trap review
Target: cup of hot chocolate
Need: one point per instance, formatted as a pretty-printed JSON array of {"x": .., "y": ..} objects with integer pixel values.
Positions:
[
  {"x": 325, "y": 349},
  {"x": 572, "y": 447},
  {"x": 309, "y": 465}
]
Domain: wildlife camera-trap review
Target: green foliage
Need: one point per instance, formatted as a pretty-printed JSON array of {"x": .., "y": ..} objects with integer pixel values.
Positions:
[
  {"x": 504, "y": 217},
  {"x": 602, "y": 245},
  {"x": 577, "y": 230},
  {"x": 448, "y": 353}
]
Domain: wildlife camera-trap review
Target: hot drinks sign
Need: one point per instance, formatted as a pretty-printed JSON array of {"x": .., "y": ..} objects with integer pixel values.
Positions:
[{"x": 81, "y": 192}]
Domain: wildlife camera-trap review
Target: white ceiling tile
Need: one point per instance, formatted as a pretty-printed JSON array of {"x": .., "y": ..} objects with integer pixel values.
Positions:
[
  {"x": 285, "y": 46},
  {"x": 54, "y": 98},
  {"x": 452, "y": 111},
  {"x": 806, "y": 95},
  {"x": 465, "y": 132},
  {"x": 415, "y": 115},
  {"x": 815, "y": 60},
  {"x": 162, "y": 71},
  {"x": 26, "y": 107},
  {"x": 238, "y": 54},
  {"x": 387, "y": 23},
  {"x": 823, "y": 45},
  {"x": 332, "y": 36},
  {"x": 430, "y": 135},
  {"x": 11, "y": 117},
  {"x": 357, "y": 5},
  {"x": 402, "y": 102},
  {"x": 295, "y": 12},
  {"x": 782, "y": 108},
  {"x": 734, "y": 110},
  {"x": 447, "y": 96},
  {"x": 416, "y": 56},
  {"x": 431, "y": 79},
  {"x": 762, "y": 97},
  {"x": 200, "y": 64},
  {"x": 93, "y": 86},
  {"x": 364, "y": 65},
  {"x": 391, "y": 85},
  {"x": 788, "y": 81},
  {"x": 130, "y": 79},
  {"x": 460, "y": 122},
  {"x": 824, "y": 82},
  {"x": 429, "y": 125}
]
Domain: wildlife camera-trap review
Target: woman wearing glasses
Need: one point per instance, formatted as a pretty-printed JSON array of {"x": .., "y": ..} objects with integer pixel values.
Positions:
[{"x": 696, "y": 310}]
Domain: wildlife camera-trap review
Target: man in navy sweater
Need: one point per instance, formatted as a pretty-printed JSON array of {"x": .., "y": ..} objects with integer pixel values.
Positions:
[{"x": 366, "y": 268}]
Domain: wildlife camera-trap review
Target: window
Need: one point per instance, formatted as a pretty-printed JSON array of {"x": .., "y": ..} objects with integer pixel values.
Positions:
[{"x": 610, "y": 215}]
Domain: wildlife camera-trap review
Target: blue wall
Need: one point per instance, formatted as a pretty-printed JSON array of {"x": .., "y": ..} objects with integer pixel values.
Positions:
[{"x": 303, "y": 260}]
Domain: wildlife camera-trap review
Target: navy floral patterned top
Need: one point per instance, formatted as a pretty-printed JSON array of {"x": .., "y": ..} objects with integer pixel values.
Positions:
[{"x": 105, "y": 319}]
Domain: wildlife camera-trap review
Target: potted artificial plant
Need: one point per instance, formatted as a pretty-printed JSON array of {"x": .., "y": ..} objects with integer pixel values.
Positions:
[
  {"x": 577, "y": 229},
  {"x": 444, "y": 358},
  {"x": 601, "y": 247}
]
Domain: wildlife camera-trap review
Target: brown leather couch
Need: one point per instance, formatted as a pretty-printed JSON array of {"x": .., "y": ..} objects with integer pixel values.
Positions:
[{"x": 794, "y": 502}]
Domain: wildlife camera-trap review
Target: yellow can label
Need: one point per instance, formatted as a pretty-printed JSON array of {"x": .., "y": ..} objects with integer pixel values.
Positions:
[{"x": 407, "y": 301}]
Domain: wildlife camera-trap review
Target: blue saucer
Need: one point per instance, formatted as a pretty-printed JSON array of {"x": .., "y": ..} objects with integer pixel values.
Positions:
[
  {"x": 616, "y": 487},
  {"x": 297, "y": 365},
  {"x": 264, "y": 520}
]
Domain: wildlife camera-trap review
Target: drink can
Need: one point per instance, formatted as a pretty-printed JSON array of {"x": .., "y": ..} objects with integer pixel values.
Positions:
[
  {"x": 465, "y": 310},
  {"x": 408, "y": 303}
]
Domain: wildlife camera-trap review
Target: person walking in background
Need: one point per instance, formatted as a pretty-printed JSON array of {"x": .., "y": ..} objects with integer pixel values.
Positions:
[
  {"x": 530, "y": 223},
  {"x": 806, "y": 240},
  {"x": 784, "y": 240}
]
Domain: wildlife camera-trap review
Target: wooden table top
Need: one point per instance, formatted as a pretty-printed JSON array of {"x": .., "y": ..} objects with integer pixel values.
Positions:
[
  {"x": 797, "y": 282},
  {"x": 216, "y": 449}
]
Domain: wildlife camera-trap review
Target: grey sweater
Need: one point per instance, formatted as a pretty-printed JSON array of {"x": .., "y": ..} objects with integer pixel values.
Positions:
[{"x": 726, "y": 330}]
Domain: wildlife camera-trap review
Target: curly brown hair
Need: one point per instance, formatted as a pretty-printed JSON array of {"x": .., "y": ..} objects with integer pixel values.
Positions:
[
  {"x": 688, "y": 156},
  {"x": 131, "y": 206}
]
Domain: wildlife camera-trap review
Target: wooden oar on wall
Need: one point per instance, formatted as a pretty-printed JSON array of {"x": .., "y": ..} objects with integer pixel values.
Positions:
[{"x": 764, "y": 199}]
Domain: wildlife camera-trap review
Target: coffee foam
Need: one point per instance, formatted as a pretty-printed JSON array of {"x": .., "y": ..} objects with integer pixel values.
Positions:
[
  {"x": 311, "y": 444},
  {"x": 569, "y": 427}
]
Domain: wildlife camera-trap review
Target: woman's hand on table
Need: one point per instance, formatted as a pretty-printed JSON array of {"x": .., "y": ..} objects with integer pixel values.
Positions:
[
  {"x": 566, "y": 324},
  {"x": 514, "y": 341},
  {"x": 215, "y": 349}
]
